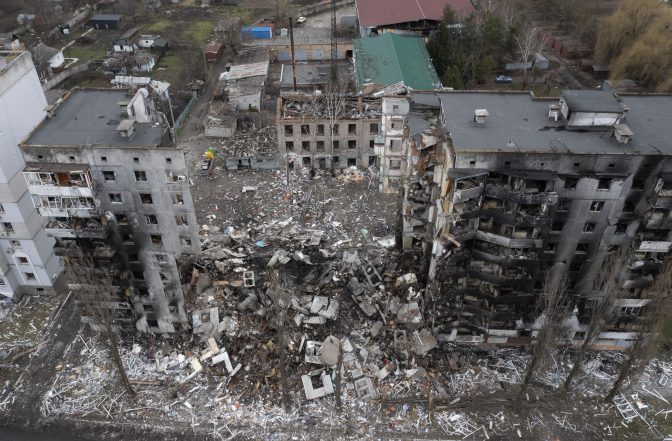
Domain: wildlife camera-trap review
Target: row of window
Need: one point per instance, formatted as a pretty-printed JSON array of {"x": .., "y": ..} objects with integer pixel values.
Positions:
[
  {"x": 141, "y": 176},
  {"x": 104, "y": 159},
  {"x": 145, "y": 198},
  {"x": 319, "y": 129},
  {"x": 319, "y": 145}
]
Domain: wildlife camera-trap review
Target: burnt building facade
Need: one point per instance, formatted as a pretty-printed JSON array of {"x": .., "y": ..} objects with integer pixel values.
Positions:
[
  {"x": 502, "y": 188},
  {"x": 329, "y": 131},
  {"x": 104, "y": 172}
]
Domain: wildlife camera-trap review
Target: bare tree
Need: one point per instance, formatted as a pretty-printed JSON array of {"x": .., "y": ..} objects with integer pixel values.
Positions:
[
  {"x": 650, "y": 335},
  {"x": 280, "y": 298},
  {"x": 330, "y": 106},
  {"x": 608, "y": 287},
  {"x": 529, "y": 43},
  {"x": 227, "y": 31},
  {"x": 553, "y": 308},
  {"x": 97, "y": 295}
]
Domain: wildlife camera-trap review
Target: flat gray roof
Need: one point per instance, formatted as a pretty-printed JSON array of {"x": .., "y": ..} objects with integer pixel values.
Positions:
[
  {"x": 518, "y": 122},
  {"x": 90, "y": 117},
  {"x": 591, "y": 101}
]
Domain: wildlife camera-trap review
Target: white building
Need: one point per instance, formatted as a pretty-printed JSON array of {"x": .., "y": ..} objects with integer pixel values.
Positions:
[{"x": 27, "y": 261}]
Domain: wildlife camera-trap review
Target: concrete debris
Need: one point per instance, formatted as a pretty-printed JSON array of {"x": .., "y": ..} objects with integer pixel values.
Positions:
[
  {"x": 423, "y": 341},
  {"x": 326, "y": 388},
  {"x": 329, "y": 350}
]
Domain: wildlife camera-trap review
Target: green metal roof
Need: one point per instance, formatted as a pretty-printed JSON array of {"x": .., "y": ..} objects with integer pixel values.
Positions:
[{"x": 389, "y": 58}]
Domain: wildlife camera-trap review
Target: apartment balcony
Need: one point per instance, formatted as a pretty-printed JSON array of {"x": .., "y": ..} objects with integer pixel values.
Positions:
[
  {"x": 499, "y": 192},
  {"x": 510, "y": 259},
  {"x": 519, "y": 220},
  {"x": 65, "y": 180},
  {"x": 509, "y": 242},
  {"x": 659, "y": 221},
  {"x": 466, "y": 194},
  {"x": 90, "y": 229}
]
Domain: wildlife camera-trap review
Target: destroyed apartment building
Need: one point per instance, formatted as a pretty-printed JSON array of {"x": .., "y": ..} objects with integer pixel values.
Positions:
[
  {"x": 28, "y": 265},
  {"x": 502, "y": 187},
  {"x": 329, "y": 130},
  {"x": 104, "y": 172},
  {"x": 240, "y": 89}
]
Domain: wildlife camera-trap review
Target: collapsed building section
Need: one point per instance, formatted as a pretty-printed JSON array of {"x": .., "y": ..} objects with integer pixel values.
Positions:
[
  {"x": 500, "y": 188},
  {"x": 114, "y": 190},
  {"x": 329, "y": 130}
]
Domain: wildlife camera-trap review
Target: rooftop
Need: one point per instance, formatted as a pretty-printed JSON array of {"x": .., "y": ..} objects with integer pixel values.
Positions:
[
  {"x": 90, "y": 117},
  {"x": 591, "y": 101},
  {"x": 106, "y": 17},
  {"x": 374, "y": 13},
  {"x": 389, "y": 59},
  {"x": 518, "y": 122}
]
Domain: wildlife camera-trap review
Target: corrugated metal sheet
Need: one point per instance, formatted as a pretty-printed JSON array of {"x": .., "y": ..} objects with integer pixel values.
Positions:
[
  {"x": 373, "y": 13},
  {"x": 257, "y": 33}
]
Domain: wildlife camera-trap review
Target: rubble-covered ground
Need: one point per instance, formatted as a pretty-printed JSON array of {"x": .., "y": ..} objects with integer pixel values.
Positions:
[{"x": 314, "y": 262}]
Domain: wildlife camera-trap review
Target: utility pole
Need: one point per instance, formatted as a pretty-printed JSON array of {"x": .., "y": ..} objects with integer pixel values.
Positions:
[{"x": 291, "y": 42}]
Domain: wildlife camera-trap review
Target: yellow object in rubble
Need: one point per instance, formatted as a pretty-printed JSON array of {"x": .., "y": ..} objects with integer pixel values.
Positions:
[{"x": 209, "y": 155}]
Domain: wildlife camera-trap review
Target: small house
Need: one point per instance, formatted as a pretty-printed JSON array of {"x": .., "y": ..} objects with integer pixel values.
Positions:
[
  {"x": 144, "y": 61},
  {"x": 212, "y": 51},
  {"x": 160, "y": 46},
  {"x": 123, "y": 45},
  {"x": 146, "y": 41},
  {"x": 107, "y": 21},
  {"x": 44, "y": 54}
]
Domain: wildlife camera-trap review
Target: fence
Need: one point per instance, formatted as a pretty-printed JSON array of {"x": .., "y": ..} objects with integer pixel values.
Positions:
[
  {"x": 66, "y": 74},
  {"x": 186, "y": 110}
]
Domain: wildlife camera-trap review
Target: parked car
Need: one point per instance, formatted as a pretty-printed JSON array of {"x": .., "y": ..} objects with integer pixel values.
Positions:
[
  {"x": 503, "y": 79},
  {"x": 301, "y": 20}
]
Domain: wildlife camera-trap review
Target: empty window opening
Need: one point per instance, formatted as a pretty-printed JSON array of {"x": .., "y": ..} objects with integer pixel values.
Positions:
[
  {"x": 352, "y": 129},
  {"x": 395, "y": 164},
  {"x": 320, "y": 129},
  {"x": 604, "y": 184},
  {"x": 305, "y": 145},
  {"x": 29, "y": 276},
  {"x": 146, "y": 198},
  {"x": 169, "y": 160},
  {"x": 108, "y": 175},
  {"x": 102, "y": 158},
  {"x": 8, "y": 227},
  {"x": 137, "y": 275},
  {"x": 289, "y": 129},
  {"x": 178, "y": 199},
  {"x": 15, "y": 243},
  {"x": 335, "y": 144},
  {"x": 133, "y": 257},
  {"x": 372, "y": 143},
  {"x": 23, "y": 260},
  {"x": 352, "y": 144},
  {"x": 575, "y": 266},
  {"x": 148, "y": 308},
  {"x": 143, "y": 292},
  {"x": 557, "y": 226},
  {"x": 372, "y": 160},
  {"x": 151, "y": 219},
  {"x": 596, "y": 206},
  {"x": 621, "y": 229},
  {"x": 305, "y": 129},
  {"x": 306, "y": 161},
  {"x": 72, "y": 158},
  {"x": 156, "y": 239},
  {"x": 185, "y": 241},
  {"x": 140, "y": 176},
  {"x": 582, "y": 248},
  {"x": 182, "y": 219},
  {"x": 373, "y": 128},
  {"x": 611, "y": 165},
  {"x": 136, "y": 159},
  {"x": 550, "y": 247},
  {"x": 121, "y": 218},
  {"x": 352, "y": 162},
  {"x": 334, "y": 129},
  {"x": 570, "y": 183},
  {"x": 289, "y": 145},
  {"x": 589, "y": 227},
  {"x": 319, "y": 145}
]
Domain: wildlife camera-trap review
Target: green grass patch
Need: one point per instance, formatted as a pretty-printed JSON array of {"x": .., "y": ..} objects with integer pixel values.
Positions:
[
  {"x": 199, "y": 31},
  {"x": 169, "y": 67},
  {"x": 85, "y": 53},
  {"x": 158, "y": 26}
]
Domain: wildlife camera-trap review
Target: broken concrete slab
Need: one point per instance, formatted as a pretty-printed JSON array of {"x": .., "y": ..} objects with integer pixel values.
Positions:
[
  {"x": 279, "y": 257},
  {"x": 407, "y": 279},
  {"x": 319, "y": 302},
  {"x": 223, "y": 356},
  {"x": 248, "y": 279},
  {"x": 312, "y": 356},
  {"x": 329, "y": 350},
  {"x": 313, "y": 393},
  {"x": 365, "y": 389},
  {"x": 376, "y": 328},
  {"x": 410, "y": 313},
  {"x": 423, "y": 342},
  {"x": 315, "y": 320},
  {"x": 316, "y": 238}
]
